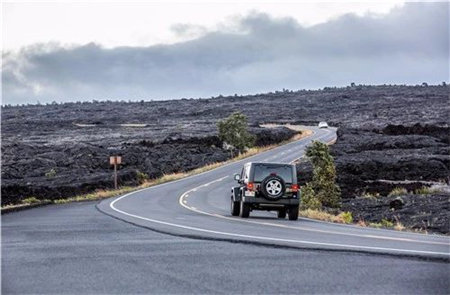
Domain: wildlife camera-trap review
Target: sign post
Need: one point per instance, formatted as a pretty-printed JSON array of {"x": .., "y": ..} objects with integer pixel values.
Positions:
[{"x": 115, "y": 160}]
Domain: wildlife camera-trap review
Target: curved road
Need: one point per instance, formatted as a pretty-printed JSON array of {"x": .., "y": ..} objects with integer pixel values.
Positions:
[
  {"x": 74, "y": 248},
  {"x": 199, "y": 207}
]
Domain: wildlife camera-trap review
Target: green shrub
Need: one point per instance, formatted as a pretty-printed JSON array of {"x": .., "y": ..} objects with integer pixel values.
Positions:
[
  {"x": 324, "y": 175},
  {"x": 386, "y": 223},
  {"x": 141, "y": 177},
  {"x": 233, "y": 131},
  {"x": 383, "y": 223},
  {"x": 347, "y": 217},
  {"x": 398, "y": 191},
  {"x": 375, "y": 224},
  {"x": 309, "y": 199}
]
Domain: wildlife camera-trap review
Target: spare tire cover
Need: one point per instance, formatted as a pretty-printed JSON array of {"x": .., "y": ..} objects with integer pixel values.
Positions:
[{"x": 273, "y": 187}]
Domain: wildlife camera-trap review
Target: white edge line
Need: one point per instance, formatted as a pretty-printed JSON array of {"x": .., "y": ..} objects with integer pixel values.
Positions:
[
  {"x": 267, "y": 238},
  {"x": 264, "y": 238}
]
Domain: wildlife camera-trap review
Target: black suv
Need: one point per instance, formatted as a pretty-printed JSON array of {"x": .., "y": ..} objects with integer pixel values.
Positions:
[{"x": 266, "y": 186}]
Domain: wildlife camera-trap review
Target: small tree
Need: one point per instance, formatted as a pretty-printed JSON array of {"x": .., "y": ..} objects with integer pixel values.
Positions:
[
  {"x": 233, "y": 131},
  {"x": 323, "y": 184}
]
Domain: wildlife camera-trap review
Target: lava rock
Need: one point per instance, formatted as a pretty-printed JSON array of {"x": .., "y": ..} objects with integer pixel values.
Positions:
[
  {"x": 61, "y": 150},
  {"x": 421, "y": 212},
  {"x": 375, "y": 162}
]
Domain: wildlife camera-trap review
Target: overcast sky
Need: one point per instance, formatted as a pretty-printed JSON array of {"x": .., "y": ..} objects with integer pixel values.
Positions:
[{"x": 163, "y": 50}]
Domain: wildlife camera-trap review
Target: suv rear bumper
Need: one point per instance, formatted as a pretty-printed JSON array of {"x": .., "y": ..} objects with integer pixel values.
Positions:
[{"x": 263, "y": 201}]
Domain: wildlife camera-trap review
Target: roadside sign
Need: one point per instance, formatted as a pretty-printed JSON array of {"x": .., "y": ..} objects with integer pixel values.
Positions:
[{"x": 115, "y": 160}]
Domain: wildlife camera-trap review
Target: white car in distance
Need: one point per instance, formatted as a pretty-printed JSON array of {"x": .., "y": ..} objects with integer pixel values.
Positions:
[{"x": 323, "y": 125}]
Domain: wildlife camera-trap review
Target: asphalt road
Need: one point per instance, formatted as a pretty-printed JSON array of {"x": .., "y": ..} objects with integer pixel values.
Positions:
[{"x": 195, "y": 246}]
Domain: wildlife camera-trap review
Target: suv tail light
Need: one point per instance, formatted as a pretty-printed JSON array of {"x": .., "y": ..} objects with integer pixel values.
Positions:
[
  {"x": 250, "y": 186},
  {"x": 294, "y": 188}
]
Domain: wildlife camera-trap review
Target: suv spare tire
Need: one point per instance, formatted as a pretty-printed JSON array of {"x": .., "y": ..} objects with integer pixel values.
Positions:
[{"x": 273, "y": 187}]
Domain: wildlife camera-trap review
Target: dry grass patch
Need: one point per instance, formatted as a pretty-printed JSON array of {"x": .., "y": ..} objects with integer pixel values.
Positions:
[
  {"x": 399, "y": 226},
  {"x": 30, "y": 200},
  {"x": 302, "y": 134},
  {"x": 425, "y": 190},
  {"x": 398, "y": 191},
  {"x": 25, "y": 203},
  {"x": 362, "y": 223},
  {"x": 97, "y": 195},
  {"x": 347, "y": 218},
  {"x": 370, "y": 195},
  {"x": 343, "y": 217}
]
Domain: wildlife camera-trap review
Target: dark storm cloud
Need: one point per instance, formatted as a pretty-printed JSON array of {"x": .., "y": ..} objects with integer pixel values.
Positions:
[{"x": 409, "y": 45}]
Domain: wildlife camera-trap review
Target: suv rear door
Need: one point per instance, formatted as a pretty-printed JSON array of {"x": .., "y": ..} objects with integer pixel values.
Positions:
[{"x": 262, "y": 170}]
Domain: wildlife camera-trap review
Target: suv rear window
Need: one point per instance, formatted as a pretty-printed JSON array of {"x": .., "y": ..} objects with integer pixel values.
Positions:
[{"x": 262, "y": 171}]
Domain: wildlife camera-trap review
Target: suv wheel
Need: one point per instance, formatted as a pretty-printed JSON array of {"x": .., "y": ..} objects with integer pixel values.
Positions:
[
  {"x": 234, "y": 208},
  {"x": 244, "y": 210},
  {"x": 282, "y": 213},
  {"x": 293, "y": 213}
]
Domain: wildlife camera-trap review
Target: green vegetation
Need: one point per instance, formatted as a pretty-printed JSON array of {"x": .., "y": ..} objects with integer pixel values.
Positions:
[
  {"x": 383, "y": 223},
  {"x": 398, "y": 191},
  {"x": 386, "y": 223},
  {"x": 233, "y": 131},
  {"x": 309, "y": 199},
  {"x": 322, "y": 190},
  {"x": 347, "y": 217},
  {"x": 51, "y": 173},
  {"x": 141, "y": 177},
  {"x": 323, "y": 186},
  {"x": 375, "y": 224}
]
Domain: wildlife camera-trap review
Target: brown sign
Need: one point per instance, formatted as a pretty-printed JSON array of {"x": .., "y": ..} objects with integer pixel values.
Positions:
[{"x": 115, "y": 160}]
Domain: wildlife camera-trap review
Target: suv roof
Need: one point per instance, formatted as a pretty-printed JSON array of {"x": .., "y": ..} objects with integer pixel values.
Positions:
[{"x": 268, "y": 163}]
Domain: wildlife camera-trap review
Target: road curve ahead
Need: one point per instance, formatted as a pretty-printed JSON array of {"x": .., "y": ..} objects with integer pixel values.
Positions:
[{"x": 198, "y": 206}]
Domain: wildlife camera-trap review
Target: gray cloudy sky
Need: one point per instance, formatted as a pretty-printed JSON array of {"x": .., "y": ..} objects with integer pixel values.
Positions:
[{"x": 252, "y": 53}]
